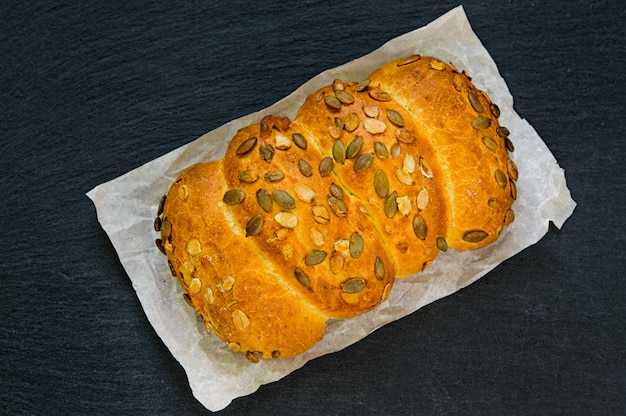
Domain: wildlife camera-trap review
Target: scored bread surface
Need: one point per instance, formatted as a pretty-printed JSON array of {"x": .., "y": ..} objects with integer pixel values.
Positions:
[{"x": 312, "y": 219}]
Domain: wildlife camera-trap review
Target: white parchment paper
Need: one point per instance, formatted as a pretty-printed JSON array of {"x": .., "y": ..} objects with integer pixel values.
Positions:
[{"x": 126, "y": 208}]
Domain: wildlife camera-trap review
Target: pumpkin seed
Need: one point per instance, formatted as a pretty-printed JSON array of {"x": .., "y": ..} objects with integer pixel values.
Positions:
[
  {"x": 339, "y": 123},
  {"x": 334, "y": 132},
  {"x": 246, "y": 146},
  {"x": 404, "y": 136},
  {"x": 419, "y": 227},
  {"x": 320, "y": 214},
  {"x": 494, "y": 202},
  {"x": 509, "y": 217},
  {"x": 395, "y": 150},
  {"x": 422, "y": 199},
  {"x": 363, "y": 162},
  {"x": 409, "y": 60},
  {"x": 326, "y": 166},
  {"x": 161, "y": 205},
  {"x": 299, "y": 140},
  {"x": 305, "y": 168},
  {"x": 172, "y": 269},
  {"x": 274, "y": 176},
  {"x": 475, "y": 236},
  {"x": 381, "y": 183},
  {"x": 166, "y": 229},
  {"x": 512, "y": 169},
  {"x": 404, "y": 205},
  {"x": 457, "y": 82},
  {"x": 379, "y": 268},
  {"x": 344, "y": 96},
  {"x": 317, "y": 236},
  {"x": 240, "y": 320},
  {"x": 379, "y": 95},
  {"x": 442, "y": 244},
  {"x": 248, "y": 176},
  {"x": 254, "y": 356},
  {"x": 508, "y": 144},
  {"x": 395, "y": 118},
  {"x": 374, "y": 126},
  {"x": 490, "y": 143},
  {"x": 354, "y": 147},
  {"x": 425, "y": 168},
  {"x": 286, "y": 219},
  {"x": 391, "y": 206},
  {"x": 337, "y": 262},
  {"x": 266, "y": 151},
  {"x": 495, "y": 110},
  {"x": 157, "y": 224},
  {"x": 332, "y": 102},
  {"x": 276, "y": 354},
  {"x": 339, "y": 151},
  {"x": 481, "y": 122},
  {"x": 362, "y": 85},
  {"x": 408, "y": 163},
  {"x": 503, "y": 131},
  {"x": 336, "y": 191},
  {"x": 304, "y": 193},
  {"x": 353, "y": 285},
  {"x": 254, "y": 225},
  {"x": 351, "y": 122},
  {"x": 302, "y": 277},
  {"x": 404, "y": 177},
  {"x": 501, "y": 178},
  {"x": 437, "y": 65},
  {"x": 315, "y": 257},
  {"x": 282, "y": 233},
  {"x": 233, "y": 196},
  {"x": 183, "y": 192},
  {"x": 513, "y": 190},
  {"x": 227, "y": 284},
  {"x": 338, "y": 85},
  {"x": 356, "y": 245},
  {"x": 264, "y": 199},
  {"x": 371, "y": 110},
  {"x": 338, "y": 206},
  {"x": 475, "y": 102},
  {"x": 159, "y": 244},
  {"x": 281, "y": 142},
  {"x": 381, "y": 150},
  {"x": 283, "y": 199}
]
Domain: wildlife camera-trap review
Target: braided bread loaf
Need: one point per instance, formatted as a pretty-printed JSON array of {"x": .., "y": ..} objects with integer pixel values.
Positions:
[{"x": 314, "y": 218}]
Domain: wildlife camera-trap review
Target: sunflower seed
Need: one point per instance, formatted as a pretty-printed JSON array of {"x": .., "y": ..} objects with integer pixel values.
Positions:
[
  {"x": 266, "y": 151},
  {"x": 299, "y": 140},
  {"x": 233, "y": 196},
  {"x": 371, "y": 110},
  {"x": 475, "y": 102},
  {"x": 332, "y": 102},
  {"x": 381, "y": 150},
  {"x": 283, "y": 199},
  {"x": 248, "y": 176},
  {"x": 395, "y": 118},
  {"x": 339, "y": 151},
  {"x": 274, "y": 176},
  {"x": 381, "y": 183},
  {"x": 344, "y": 96},
  {"x": 391, "y": 206},
  {"x": 286, "y": 219},
  {"x": 379, "y": 268},
  {"x": 356, "y": 245},
  {"x": 419, "y": 227},
  {"x": 326, "y": 166},
  {"x": 475, "y": 236},
  {"x": 264, "y": 199},
  {"x": 354, "y": 147},
  {"x": 490, "y": 143},
  {"x": 336, "y": 191},
  {"x": 254, "y": 225},
  {"x": 404, "y": 136},
  {"x": 353, "y": 285},
  {"x": 351, "y": 122},
  {"x": 338, "y": 206},
  {"x": 501, "y": 178},
  {"x": 304, "y": 193},
  {"x": 442, "y": 244},
  {"x": 246, "y": 146},
  {"x": 302, "y": 277},
  {"x": 305, "y": 168},
  {"x": 315, "y": 257},
  {"x": 481, "y": 122},
  {"x": 363, "y": 162}
]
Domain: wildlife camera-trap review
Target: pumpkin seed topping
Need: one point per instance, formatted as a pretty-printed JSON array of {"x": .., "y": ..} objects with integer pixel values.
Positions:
[
  {"x": 475, "y": 236},
  {"x": 405, "y": 136},
  {"x": 338, "y": 85},
  {"x": 442, "y": 244},
  {"x": 379, "y": 95},
  {"x": 302, "y": 277},
  {"x": 475, "y": 102},
  {"x": 338, "y": 206},
  {"x": 315, "y": 257},
  {"x": 159, "y": 244},
  {"x": 233, "y": 196},
  {"x": 362, "y": 85},
  {"x": 404, "y": 177},
  {"x": 274, "y": 176},
  {"x": 336, "y": 191},
  {"x": 379, "y": 268},
  {"x": 481, "y": 122},
  {"x": 354, "y": 147},
  {"x": 183, "y": 192},
  {"x": 264, "y": 199},
  {"x": 437, "y": 65},
  {"x": 353, "y": 285},
  {"x": 334, "y": 132},
  {"x": 395, "y": 150},
  {"x": 419, "y": 227},
  {"x": 512, "y": 169},
  {"x": 425, "y": 168},
  {"x": 305, "y": 168},
  {"x": 409, "y": 60},
  {"x": 422, "y": 199},
  {"x": 501, "y": 178},
  {"x": 281, "y": 142},
  {"x": 282, "y": 233},
  {"x": 254, "y": 356},
  {"x": 509, "y": 217},
  {"x": 326, "y": 166},
  {"x": 494, "y": 202},
  {"x": 246, "y": 146},
  {"x": 299, "y": 140},
  {"x": 254, "y": 225},
  {"x": 317, "y": 236},
  {"x": 363, "y": 162},
  {"x": 344, "y": 96},
  {"x": 248, "y": 176},
  {"x": 157, "y": 224},
  {"x": 371, "y": 110},
  {"x": 408, "y": 163},
  {"x": 226, "y": 284},
  {"x": 166, "y": 229},
  {"x": 395, "y": 118},
  {"x": 490, "y": 143},
  {"x": 240, "y": 319},
  {"x": 332, "y": 102},
  {"x": 404, "y": 205},
  {"x": 495, "y": 110},
  {"x": 374, "y": 126},
  {"x": 513, "y": 190},
  {"x": 337, "y": 261},
  {"x": 304, "y": 193},
  {"x": 503, "y": 131},
  {"x": 381, "y": 183},
  {"x": 339, "y": 151},
  {"x": 509, "y": 144},
  {"x": 356, "y": 245},
  {"x": 320, "y": 214},
  {"x": 351, "y": 122},
  {"x": 283, "y": 199},
  {"x": 391, "y": 206},
  {"x": 161, "y": 205},
  {"x": 381, "y": 150},
  {"x": 266, "y": 151},
  {"x": 286, "y": 219}
]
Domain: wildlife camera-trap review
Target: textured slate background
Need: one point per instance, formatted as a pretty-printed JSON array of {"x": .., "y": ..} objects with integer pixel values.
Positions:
[{"x": 89, "y": 92}]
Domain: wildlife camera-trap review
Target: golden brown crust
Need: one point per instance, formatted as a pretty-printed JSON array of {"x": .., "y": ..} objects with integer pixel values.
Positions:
[{"x": 313, "y": 219}]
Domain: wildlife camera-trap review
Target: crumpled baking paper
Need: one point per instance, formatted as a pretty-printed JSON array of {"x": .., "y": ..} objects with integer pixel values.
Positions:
[{"x": 126, "y": 208}]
